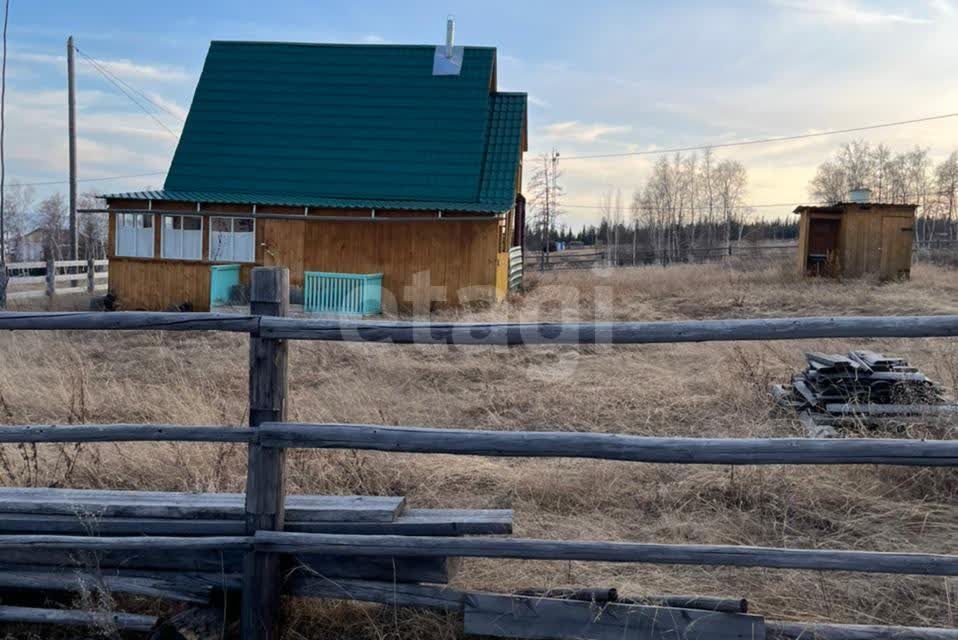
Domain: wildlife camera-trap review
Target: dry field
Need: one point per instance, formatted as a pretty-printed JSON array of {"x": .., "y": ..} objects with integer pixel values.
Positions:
[{"x": 688, "y": 390}]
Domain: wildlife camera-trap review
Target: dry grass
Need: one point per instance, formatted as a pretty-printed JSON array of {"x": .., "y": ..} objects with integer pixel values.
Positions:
[{"x": 691, "y": 390}]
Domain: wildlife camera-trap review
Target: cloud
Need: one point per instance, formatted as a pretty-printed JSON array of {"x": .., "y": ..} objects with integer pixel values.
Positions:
[
  {"x": 573, "y": 130},
  {"x": 943, "y": 7},
  {"x": 373, "y": 38},
  {"x": 124, "y": 69},
  {"x": 848, "y": 12}
]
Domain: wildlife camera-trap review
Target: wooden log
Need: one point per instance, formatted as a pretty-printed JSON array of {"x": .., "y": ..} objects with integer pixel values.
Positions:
[
  {"x": 532, "y": 549},
  {"x": 148, "y": 543},
  {"x": 126, "y": 321},
  {"x": 776, "y": 630},
  {"x": 141, "y": 562},
  {"x": 705, "y": 603},
  {"x": 82, "y": 582},
  {"x": 585, "y": 595},
  {"x": 518, "y": 617},
  {"x": 182, "y": 505},
  {"x": 611, "y": 332},
  {"x": 123, "y": 433},
  {"x": 743, "y": 451},
  {"x": 418, "y": 522},
  {"x": 265, "y": 478},
  {"x": 61, "y": 617}
]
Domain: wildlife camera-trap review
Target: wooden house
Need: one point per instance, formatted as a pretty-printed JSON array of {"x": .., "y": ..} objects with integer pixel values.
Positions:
[
  {"x": 343, "y": 160},
  {"x": 854, "y": 239}
]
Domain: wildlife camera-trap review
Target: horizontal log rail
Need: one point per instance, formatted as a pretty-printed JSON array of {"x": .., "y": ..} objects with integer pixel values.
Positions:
[
  {"x": 609, "y": 446},
  {"x": 395, "y": 546},
  {"x": 523, "y": 444},
  {"x": 565, "y": 550},
  {"x": 508, "y": 334},
  {"x": 123, "y": 433}
]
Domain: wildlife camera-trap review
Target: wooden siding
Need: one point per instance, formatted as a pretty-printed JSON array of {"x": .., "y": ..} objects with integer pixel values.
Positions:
[
  {"x": 872, "y": 240},
  {"x": 459, "y": 257},
  {"x": 427, "y": 262}
]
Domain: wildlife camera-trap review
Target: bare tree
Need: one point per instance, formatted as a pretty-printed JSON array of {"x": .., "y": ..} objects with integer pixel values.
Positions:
[
  {"x": 732, "y": 180},
  {"x": 946, "y": 184},
  {"x": 53, "y": 215},
  {"x": 545, "y": 194},
  {"x": 93, "y": 227},
  {"x": 19, "y": 201}
]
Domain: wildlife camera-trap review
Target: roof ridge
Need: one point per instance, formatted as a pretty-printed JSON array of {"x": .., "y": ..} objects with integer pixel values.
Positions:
[{"x": 347, "y": 44}]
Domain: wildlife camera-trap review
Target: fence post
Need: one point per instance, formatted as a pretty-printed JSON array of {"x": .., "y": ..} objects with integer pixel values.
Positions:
[
  {"x": 51, "y": 276},
  {"x": 265, "y": 481},
  {"x": 90, "y": 274}
]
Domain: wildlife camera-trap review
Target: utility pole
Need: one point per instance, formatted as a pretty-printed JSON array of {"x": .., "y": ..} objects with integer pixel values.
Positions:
[
  {"x": 72, "y": 108},
  {"x": 3, "y": 167}
]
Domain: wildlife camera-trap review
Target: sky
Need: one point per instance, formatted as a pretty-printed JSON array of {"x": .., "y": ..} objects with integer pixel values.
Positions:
[{"x": 603, "y": 76}]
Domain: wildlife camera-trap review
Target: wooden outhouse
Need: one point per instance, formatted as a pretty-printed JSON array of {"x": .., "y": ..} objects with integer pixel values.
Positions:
[
  {"x": 854, "y": 239},
  {"x": 370, "y": 171}
]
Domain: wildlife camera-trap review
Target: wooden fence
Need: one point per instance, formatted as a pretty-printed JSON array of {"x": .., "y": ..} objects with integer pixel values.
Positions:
[
  {"x": 80, "y": 276},
  {"x": 596, "y": 258},
  {"x": 260, "y": 540}
]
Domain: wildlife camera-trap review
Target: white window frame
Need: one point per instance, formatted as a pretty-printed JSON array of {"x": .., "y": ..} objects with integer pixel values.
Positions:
[
  {"x": 231, "y": 232},
  {"x": 120, "y": 218},
  {"x": 163, "y": 236}
]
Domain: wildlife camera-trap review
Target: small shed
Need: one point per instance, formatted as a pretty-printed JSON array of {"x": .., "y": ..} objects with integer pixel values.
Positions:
[{"x": 855, "y": 239}]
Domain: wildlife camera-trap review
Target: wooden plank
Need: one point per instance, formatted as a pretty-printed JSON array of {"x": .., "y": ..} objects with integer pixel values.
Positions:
[
  {"x": 607, "y": 446},
  {"x": 519, "y": 617},
  {"x": 422, "y": 522},
  {"x": 125, "y": 321},
  {"x": 395, "y": 594},
  {"x": 84, "y": 582},
  {"x": 512, "y": 334},
  {"x": 533, "y": 549},
  {"x": 229, "y": 562},
  {"x": 62, "y": 617},
  {"x": 122, "y": 433},
  {"x": 266, "y": 475},
  {"x": 434, "y": 570},
  {"x": 823, "y": 631},
  {"x": 161, "y": 504},
  {"x": 894, "y": 409}
]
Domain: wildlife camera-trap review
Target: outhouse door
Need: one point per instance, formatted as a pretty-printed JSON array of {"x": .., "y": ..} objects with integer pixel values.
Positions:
[{"x": 897, "y": 235}]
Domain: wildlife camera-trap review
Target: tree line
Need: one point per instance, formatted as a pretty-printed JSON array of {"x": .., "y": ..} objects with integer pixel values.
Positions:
[
  {"x": 694, "y": 204},
  {"x": 908, "y": 177},
  {"x": 36, "y": 229}
]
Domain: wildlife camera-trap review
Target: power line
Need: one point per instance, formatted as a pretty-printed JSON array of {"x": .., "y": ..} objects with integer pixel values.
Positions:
[
  {"x": 742, "y": 143},
  {"x": 105, "y": 68},
  {"x": 104, "y": 179},
  {"x": 132, "y": 98}
]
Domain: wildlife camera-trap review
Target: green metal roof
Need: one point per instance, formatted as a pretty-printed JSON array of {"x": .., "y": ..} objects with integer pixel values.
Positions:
[{"x": 348, "y": 126}]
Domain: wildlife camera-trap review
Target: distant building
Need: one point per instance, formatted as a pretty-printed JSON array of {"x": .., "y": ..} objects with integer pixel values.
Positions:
[{"x": 856, "y": 238}]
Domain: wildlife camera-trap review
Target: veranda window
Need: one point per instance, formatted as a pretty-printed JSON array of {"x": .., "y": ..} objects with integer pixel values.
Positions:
[
  {"x": 134, "y": 235},
  {"x": 183, "y": 237},
  {"x": 232, "y": 240}
]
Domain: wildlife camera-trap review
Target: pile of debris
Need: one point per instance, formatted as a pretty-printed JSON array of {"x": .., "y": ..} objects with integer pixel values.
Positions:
[{"x": 863, "y": 384}]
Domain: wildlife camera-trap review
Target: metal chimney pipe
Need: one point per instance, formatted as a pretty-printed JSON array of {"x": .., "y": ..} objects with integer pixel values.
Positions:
[{"x": 450, "y": 35}]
